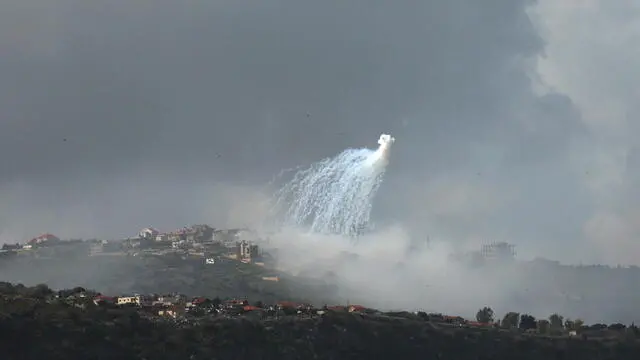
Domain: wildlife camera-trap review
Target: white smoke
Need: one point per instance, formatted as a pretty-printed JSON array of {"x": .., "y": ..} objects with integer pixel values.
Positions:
[
  {"x": 335, "y": 195},
  {"x": 381, "y": 155}
]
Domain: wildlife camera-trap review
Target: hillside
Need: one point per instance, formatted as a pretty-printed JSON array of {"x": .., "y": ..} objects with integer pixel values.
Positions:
[
  {"x": 36, "y": 324},
  {"x": 160, "y": 274},
  {"x": 594, "y": 294}
]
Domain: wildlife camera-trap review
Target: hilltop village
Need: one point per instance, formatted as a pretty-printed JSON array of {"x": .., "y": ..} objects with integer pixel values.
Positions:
[
  {"x": 215, "y": 271},
  {"x": 201, "y": 241},
  {"x": 203, "y": 293}
]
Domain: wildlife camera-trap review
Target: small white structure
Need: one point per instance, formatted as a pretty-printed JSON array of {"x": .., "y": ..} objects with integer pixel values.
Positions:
[
  {"x": 179, "y": 244},
  {"x": 210, "y": 261},
  {"x": 148, "y": 233},
  {"x": 133, "y": 300},
  {"x": 162, "y": 237}
]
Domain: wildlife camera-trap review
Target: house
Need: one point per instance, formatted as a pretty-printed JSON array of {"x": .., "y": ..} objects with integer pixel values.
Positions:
[
  {"x": 162, "y": 238},
  {"x": 455, "y": 320},
  {"x": 479, "y": 324},
  {"x": 173, "y": 299},
  {"x": 235, "y": 304},
  {"x": 199, "y": 301},
  {"x": 203, "y": 233},
  {"x": 357, "y": 308},
  {"x": 184, "y": 234},
  {"x": 287, "y": 305},
  {"x": 148, "y": 233},
  {"x": 104, "y": 300},
  {"x": 180, "y": 244},
  {"x": 11, "y": 246},
  {"x": 173, "y": 311},
  {"x": 228, "y": 235},
  {"x": 137, "y": 300},
  {"x": 246, "y": 252},
  {"x": 44, "y": 239}
]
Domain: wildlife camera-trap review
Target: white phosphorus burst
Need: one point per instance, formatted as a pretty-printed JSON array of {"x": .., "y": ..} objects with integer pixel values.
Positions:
[{"x": 334, "y": 196}]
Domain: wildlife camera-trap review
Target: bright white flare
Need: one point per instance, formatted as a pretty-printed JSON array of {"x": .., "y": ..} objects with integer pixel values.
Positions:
[
  {"x": 334, "y": 196},
  {"x": 380, "y": 158}
]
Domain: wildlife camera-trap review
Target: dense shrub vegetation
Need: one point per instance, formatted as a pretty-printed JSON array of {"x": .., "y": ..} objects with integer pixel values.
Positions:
[{"x": 38, "y": 323}]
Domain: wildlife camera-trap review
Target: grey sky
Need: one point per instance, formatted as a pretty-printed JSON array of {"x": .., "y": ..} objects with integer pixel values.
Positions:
[{"x": 161, "y": 102}]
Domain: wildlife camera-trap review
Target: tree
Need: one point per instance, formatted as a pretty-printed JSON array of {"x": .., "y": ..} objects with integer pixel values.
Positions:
[
  {"x": 78, "y": 290},
  {"x": 527, "y": 322},
  {"x": 510, "y": 320},
  {"x": 617, "y": 327},
  {"x": 40, "y": 291},
  {"x": 555, "y": 322},
  {"x": 216, "y": 302},
  {"x": 543, "y": 326},
  {"x": 259, "y": 304},
  {"x": 485, "y": 315}
]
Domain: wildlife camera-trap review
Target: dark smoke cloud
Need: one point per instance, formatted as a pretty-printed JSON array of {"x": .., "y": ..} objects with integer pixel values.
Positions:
[{"x": 120, "y": 114}]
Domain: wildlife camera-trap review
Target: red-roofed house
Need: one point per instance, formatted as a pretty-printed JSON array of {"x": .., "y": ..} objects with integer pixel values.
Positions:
[
  {"x": 287, "y": 304},
  {"x": 236, "y": 303},
  {"x": 44, "y": 239},
  {"x": 197, "y": 301},
  {"x": 479, "y": 324},
  {"x": 357, "y": 308},
  {"x": 102, "y": 299},
  {"x": 148, "y": 233}
]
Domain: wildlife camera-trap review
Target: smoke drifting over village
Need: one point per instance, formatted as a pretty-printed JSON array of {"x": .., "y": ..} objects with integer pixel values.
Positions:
[{"x": 118, "y": 115}]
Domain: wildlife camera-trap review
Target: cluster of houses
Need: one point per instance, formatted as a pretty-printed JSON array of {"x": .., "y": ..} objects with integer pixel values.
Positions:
[
  {"x": 198, "y": 234},
  {"x": 180, "y": 306},
  {"x": 198, "y": 240},
  {"x": 41, "y": 240}
]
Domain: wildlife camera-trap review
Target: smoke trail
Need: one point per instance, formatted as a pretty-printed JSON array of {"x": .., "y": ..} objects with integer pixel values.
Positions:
[{"x": 334, "y": 196}]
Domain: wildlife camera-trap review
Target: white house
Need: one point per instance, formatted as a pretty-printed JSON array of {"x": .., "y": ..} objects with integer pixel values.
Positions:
[{"x": 148, "y": 233}]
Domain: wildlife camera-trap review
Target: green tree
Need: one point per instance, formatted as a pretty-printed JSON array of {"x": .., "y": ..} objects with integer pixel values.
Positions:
[
  {"x": 510, "y": 320},
  {"x": 543, "y": 326},
  {"x": 527, "y": 322},
  {"x": 485, "y": 315},
  {"x": 555, "y": 322},
  {"x": 40, "y": 291},
  {"x": 617, "y": 327},
  {"x": 216, "y": 302}
]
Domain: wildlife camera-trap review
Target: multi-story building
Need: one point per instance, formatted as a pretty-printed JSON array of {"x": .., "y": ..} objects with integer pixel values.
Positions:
[
  {"x": 245, "y": 251},
  {"x": 498, "y": 251}
]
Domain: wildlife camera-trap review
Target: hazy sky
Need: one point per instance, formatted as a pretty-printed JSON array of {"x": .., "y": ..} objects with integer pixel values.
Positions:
[{"x": 514, "y": 119}]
